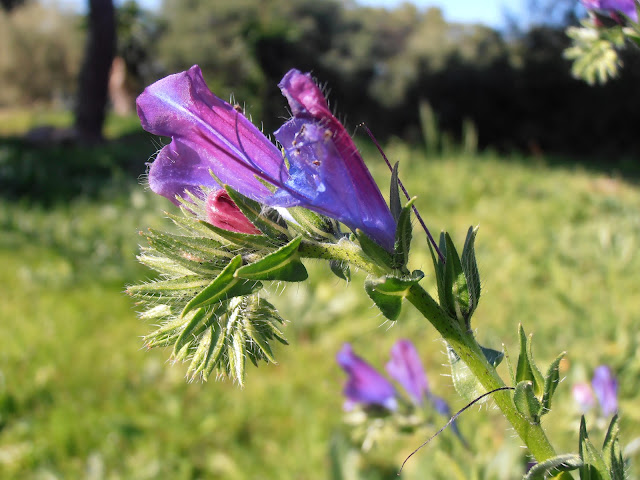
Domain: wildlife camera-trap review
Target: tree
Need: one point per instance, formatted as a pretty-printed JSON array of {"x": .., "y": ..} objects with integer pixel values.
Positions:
[{"x": 94, "y": 75}]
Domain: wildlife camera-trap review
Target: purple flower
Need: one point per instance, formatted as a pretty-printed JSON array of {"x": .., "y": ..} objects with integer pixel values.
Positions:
[
  {"x": 406, "y": 369},
  {"x": 605, "y": 386},
  {"x": 583, "y": 395},
  {"x": 627, "y": 7},
  {"x": 326, "y": 167},
  {"x": 325, "y": 172},
  {"x": 365, "y": 385}
]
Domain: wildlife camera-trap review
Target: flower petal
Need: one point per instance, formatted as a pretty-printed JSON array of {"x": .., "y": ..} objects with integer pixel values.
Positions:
[
  {"x": 365, "y": 385},
  {"x": 224, "y": 213},
  {"x": 406, "y": 368},
  {"x": 207, "y": 134},
  {"x": 337, "y": 155},
  {"x": 605, "y": 386}
]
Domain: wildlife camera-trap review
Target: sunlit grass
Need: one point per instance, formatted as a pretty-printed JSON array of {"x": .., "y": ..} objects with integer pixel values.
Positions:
[{"x": 80, "y": 398}]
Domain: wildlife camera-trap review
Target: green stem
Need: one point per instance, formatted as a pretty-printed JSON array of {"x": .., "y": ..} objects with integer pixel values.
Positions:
[
  {"x": 344, "y": 251},
  {"x": 469, "y": 351}
]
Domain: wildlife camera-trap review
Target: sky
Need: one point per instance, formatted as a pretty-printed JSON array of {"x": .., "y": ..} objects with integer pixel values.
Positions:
[{"x": 489, "y": 12}]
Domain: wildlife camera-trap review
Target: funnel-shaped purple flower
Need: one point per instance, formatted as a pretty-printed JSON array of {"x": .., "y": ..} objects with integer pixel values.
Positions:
[
  {"x": 627, "y": 7},
  {"x": 325, "y": 172},
  {"x": 365, "y": 385},
  {"x": 406, "y": 368},
  {"x": 605, "y": 386},
  {"x": 326, "y": 168}
]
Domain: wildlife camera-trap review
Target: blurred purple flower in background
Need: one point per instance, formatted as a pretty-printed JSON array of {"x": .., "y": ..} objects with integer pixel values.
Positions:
[
  {"x": 605, "y": 386},
  {"x": 325, "y": 172},
  {"x": 364, "y": 385},
  {"x": 583, "y": 395},
  {"x": 405, "y": 368},
  {"x": 627, "y": 7}
]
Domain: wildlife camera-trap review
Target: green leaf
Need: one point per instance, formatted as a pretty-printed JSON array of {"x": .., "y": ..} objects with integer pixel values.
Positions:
[
  {"x": 551, "y": 381},
  {"x": 403, "y": 237},
  {"x": 527, "y": 369},
  {"x": 200, "y": 320},
  {"x": 374, "y": 251},
  {"x": 340, "y": 269},
  {"x": 223, "y": 287},
  {"x": 283, "y": 264},
  {"x": 526, "y": 401},
  {"x": 389, "y": 291},
  {"x": 312, "y": 224},
  {"x": 553, "y": 466},
  {"x": 593, "y": 465},
  {"x": 456, "y": 290},
  {"x": 395, "y": 204},
  {"x": 243, "y": 240},
  {"x": 611, "y": 451},
  {"x": 439, "y": 267},
  {"x": 470, "y": 268},
  {"x": 268, "y": 222},
  {"x": 177, "y": 287}
]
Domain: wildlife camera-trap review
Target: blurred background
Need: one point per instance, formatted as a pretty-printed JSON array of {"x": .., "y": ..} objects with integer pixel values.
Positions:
[{"x": 477, "y": 103}]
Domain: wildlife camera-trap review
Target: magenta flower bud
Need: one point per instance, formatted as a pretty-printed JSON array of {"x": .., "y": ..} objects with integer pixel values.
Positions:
[
  {"x": 365, "y": 385},
  {"x": 406, "y": 368},
  {"x": 605, "y": 386},
  {"x": 222, "y": 212},
  {"x": 583, "y": 395}
]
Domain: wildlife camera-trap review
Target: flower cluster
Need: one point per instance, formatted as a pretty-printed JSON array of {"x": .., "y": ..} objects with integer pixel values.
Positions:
[{"x": 213, "y": 144}]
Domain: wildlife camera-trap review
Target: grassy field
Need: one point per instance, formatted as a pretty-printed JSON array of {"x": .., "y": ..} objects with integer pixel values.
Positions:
[{"x": 79, "y": 398}]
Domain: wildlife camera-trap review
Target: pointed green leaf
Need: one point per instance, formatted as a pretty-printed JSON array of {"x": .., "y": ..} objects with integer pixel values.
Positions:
[
  {"x": 551, "y": 382},
  {"x": 161, "y": 264},
  {"x": 593, "y": 465},
  {"x": 340, "y": 269},
  {"x": 470, "y": 268},
  {"x": 200, "y": 356},
  {"x": 176, "y": 287},
  {"x": 224, "y": 286},
  {"x": 268, "y": 222},
  {"x": 455, "y": 285},
  {"x": 527, "y": 369},
  {"x": 611, "y": 451},
  {"x": 243, "y": 240},
  {"x": 526, "y": 401},
  {"x": 237, "y": 356},
  {"x": 553, "y": 466},
  {"x": 283, "y": 264},
  {"x": 259, "y": 339},
  {"x": 394, "y": 195},
  {"x": 312, "y": 224},
  {"x": 403, "y": 236},
  {"x": 374, "y": 251},
  {"x": 389, "y": 291},
  {"x": 439, "y": 268}
]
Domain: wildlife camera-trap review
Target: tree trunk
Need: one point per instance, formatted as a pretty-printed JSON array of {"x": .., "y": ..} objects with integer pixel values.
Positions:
[{"x": 94, "y": 75}]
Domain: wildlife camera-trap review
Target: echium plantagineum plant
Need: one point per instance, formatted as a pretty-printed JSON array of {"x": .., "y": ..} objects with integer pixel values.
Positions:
[
  {"x": 610, "y": 27},
  {"x": 252, "y": 213}
]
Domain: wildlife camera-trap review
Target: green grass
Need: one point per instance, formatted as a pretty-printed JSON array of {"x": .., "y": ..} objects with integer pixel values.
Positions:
[{"x": 79, "y": 398}]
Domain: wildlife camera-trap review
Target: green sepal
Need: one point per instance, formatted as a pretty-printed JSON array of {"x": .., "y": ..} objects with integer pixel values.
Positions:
[
  {"x": 471, "y": 273},
  {"x": 165, "y": 335},
  {"x": 181, "y": 287},
  {"x": 193, "y": 253},
  {"x": 553, "y": 466},
  {"x": 439, "y": 268},
  {"x": 465, "y": 382},
  {"x": 223, "y": 287},
  {"x": 243, "y": 240},
  {"x": 593, "y": 465},
  {"x": 268, "y": 222},
  {"x": 340, "y": 269},
  {"x": 283, "y": 264},
  {"x": 402, "y": 242},
  {"x": 395, "y": 204},
  {"x": 611, "y": 451},
  {"x": 456, "y": 291},
  {"x": 312, "y": 224},
  {"x": 551, "y": 381},
  {"x": 527, "y": 369},
  {"x": 374, "y": 251},
  {"x": 198, "y": 322},
  {"x": 389, "y": 291},
  {"x": 526, "y": 401}
]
